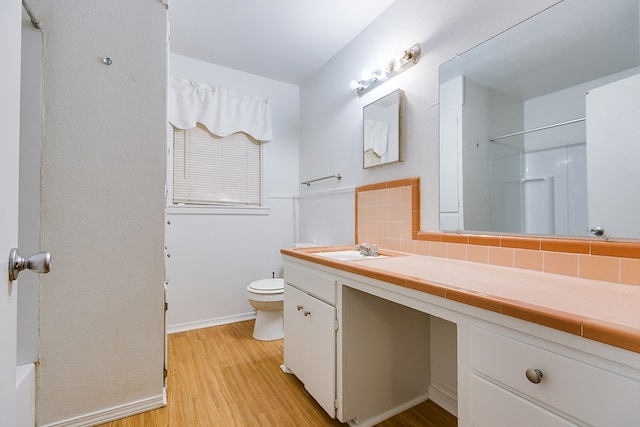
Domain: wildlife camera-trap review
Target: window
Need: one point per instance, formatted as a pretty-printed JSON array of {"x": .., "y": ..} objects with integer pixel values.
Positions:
[{"x": 213, "y": 170}]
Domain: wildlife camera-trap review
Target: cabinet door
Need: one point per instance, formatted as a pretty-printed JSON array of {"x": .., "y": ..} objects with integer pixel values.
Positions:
[
  {"x": 294, "y": 331},
  {"x": 310, "y": 345},
  {"x": 493, "y": 406},
  {"x": 320, "y": 379}
]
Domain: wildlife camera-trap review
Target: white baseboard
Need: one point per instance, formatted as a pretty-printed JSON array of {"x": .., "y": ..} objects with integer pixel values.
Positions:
[
  {"x": 444, "y": 397},
  {"x": 114, "y": 413},
  {"x": 207, "y": 323},
  {"x": 388, "y": 414},
  {"x": 438, "y": 393}
]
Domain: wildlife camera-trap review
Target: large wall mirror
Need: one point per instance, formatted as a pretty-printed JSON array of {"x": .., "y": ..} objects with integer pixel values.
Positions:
[
  {"x": 382, "y": 130},
  {"x": 540, "y": 126}
]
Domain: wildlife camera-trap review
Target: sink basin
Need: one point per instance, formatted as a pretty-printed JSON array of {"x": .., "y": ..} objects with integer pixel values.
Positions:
[{"x": 349, "y": 255}]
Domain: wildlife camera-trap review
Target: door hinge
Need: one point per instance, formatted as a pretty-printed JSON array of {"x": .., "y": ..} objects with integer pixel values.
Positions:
[
  {"x": 166, "y": 306},
  {"x": 335, "y": 404},
  {"x": 336, "y": 326},
  {"x": 165, "y": 373}
]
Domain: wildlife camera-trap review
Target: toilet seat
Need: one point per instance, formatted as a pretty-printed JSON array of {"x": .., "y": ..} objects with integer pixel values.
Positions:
[{"x": 266, "y": 286}]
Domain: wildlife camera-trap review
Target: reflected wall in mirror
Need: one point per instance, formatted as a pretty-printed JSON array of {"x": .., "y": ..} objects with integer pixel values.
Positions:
[
  {"x": 382, "y": 130},
  {"x": 539, "y": 130}
]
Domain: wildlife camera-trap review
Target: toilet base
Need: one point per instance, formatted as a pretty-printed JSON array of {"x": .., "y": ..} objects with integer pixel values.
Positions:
[{"x": 269, "y": 325}]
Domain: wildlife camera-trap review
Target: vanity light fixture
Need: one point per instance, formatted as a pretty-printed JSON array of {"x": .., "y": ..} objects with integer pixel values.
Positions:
[{"x": 370, "y": 79}]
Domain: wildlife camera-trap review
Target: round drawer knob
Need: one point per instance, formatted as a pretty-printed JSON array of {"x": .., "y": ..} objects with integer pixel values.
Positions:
[{"x": 534, "y": 375}]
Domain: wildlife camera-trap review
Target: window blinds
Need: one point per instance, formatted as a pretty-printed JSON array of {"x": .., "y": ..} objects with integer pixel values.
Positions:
[{"x": 209, "y": 169}]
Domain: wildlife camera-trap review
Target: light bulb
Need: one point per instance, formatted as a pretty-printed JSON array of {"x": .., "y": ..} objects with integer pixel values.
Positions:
[
  {"x": 354, "y": 84},
  {"x": 367, "y": 74},
  {"x": 400, "y": 55}
]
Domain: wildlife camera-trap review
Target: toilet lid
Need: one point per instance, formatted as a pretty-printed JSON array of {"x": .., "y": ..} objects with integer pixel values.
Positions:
[{"x": 268, "y": 285}]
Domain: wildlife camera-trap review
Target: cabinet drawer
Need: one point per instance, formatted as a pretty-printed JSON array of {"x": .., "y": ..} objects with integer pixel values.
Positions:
[
  {"x": 312, "y": 281},
  {"x": 586, "y": 392},
  {"x": 493, "y": 406}
]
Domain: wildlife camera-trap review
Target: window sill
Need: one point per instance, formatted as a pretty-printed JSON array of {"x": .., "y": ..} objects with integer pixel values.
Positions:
[{"x": 216, "y": 210}]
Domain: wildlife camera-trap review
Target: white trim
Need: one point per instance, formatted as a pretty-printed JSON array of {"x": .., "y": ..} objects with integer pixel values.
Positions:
[
  {"x": 182, "y": 209},
  {"x": 216, "y": 210},
  {"x": 388, "y": 414},
  {"x": 114, "y": 413},
  {"x": 444, "y": 397},
  {"x": 341, "y": 190},
  {"x": 207, "y": 323},
  {"x": 26, "y": 394},
  {"x": 282, "y": 196}
]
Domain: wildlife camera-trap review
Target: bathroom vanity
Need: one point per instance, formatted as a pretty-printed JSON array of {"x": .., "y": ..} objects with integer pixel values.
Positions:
[{"x": 531, "y": 348}]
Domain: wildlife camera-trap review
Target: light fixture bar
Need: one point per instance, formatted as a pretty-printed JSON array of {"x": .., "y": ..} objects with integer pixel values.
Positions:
[{"x": 395, "y": 66}]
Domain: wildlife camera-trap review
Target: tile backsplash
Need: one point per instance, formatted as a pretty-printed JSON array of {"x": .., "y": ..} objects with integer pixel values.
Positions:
[{"x": 388, "y": 214}]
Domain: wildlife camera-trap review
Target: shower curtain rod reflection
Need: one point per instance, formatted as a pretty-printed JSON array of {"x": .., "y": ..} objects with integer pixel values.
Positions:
[
  {"x": 308, "y": 183},
  {"x": 34, "y": 20},
  {"x": 568, "y": 122}
]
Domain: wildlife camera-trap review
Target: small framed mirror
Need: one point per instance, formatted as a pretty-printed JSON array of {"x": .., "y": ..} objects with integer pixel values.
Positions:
[{"x": 382, "y": 130}]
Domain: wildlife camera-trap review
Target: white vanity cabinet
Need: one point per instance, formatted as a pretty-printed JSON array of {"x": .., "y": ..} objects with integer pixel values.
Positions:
[
  {"x": 310, "y": 332},
  {"x": 514, "y": 381},
  {"x": 361, "y": 357},
  {"x": 368, "y": 349}
]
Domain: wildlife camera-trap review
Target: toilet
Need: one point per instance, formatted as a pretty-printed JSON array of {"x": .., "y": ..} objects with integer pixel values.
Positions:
[{"x": 267, "y": 297}]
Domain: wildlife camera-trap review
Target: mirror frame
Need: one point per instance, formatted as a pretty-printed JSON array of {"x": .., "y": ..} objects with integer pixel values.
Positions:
[{"x": 392, "y": 127}]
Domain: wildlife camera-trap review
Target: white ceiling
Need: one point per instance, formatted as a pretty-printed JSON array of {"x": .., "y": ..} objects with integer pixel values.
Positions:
[
  {"x": 286, "y": 40},
  {"x": 572, "y": 42}
]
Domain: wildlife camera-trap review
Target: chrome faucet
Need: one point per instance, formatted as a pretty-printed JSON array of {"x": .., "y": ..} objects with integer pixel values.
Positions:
[{"x": 367, "y": 250}]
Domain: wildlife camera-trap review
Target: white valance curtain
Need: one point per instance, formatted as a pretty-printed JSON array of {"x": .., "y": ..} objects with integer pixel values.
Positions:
[{"x": 222, "y": 111}]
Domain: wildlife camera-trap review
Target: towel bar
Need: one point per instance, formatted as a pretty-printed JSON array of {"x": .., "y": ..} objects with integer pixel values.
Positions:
[{"x": 308, "y": 183}]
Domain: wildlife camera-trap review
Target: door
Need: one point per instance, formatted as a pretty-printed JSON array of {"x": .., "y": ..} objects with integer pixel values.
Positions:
[
  {"x": 612, "y": 157},
  {"x": 10, "y": 34}
]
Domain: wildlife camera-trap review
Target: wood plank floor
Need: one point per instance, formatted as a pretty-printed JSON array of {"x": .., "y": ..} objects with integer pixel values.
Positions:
[{"x": 221, "y": 376}]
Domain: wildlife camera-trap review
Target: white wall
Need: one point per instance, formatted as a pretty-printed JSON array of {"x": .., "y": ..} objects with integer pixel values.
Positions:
[
  {"x": 102, "y": 201},
  {"x": 328, "y": 216},
  {"x": 563, "y": 105},
  {"x": 332, "y": 113},
  {"x": 216, "y": 253},
  {"x": 208, "y": 268}
]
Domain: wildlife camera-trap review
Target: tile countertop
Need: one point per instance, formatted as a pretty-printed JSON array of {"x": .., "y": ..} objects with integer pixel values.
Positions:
[{"x": 601, "y": 311}]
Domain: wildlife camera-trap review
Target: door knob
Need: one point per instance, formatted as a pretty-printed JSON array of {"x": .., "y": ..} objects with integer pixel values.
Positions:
[
  {"x": 38, "y": 263},
  {"x": 534, "y": 375}
]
